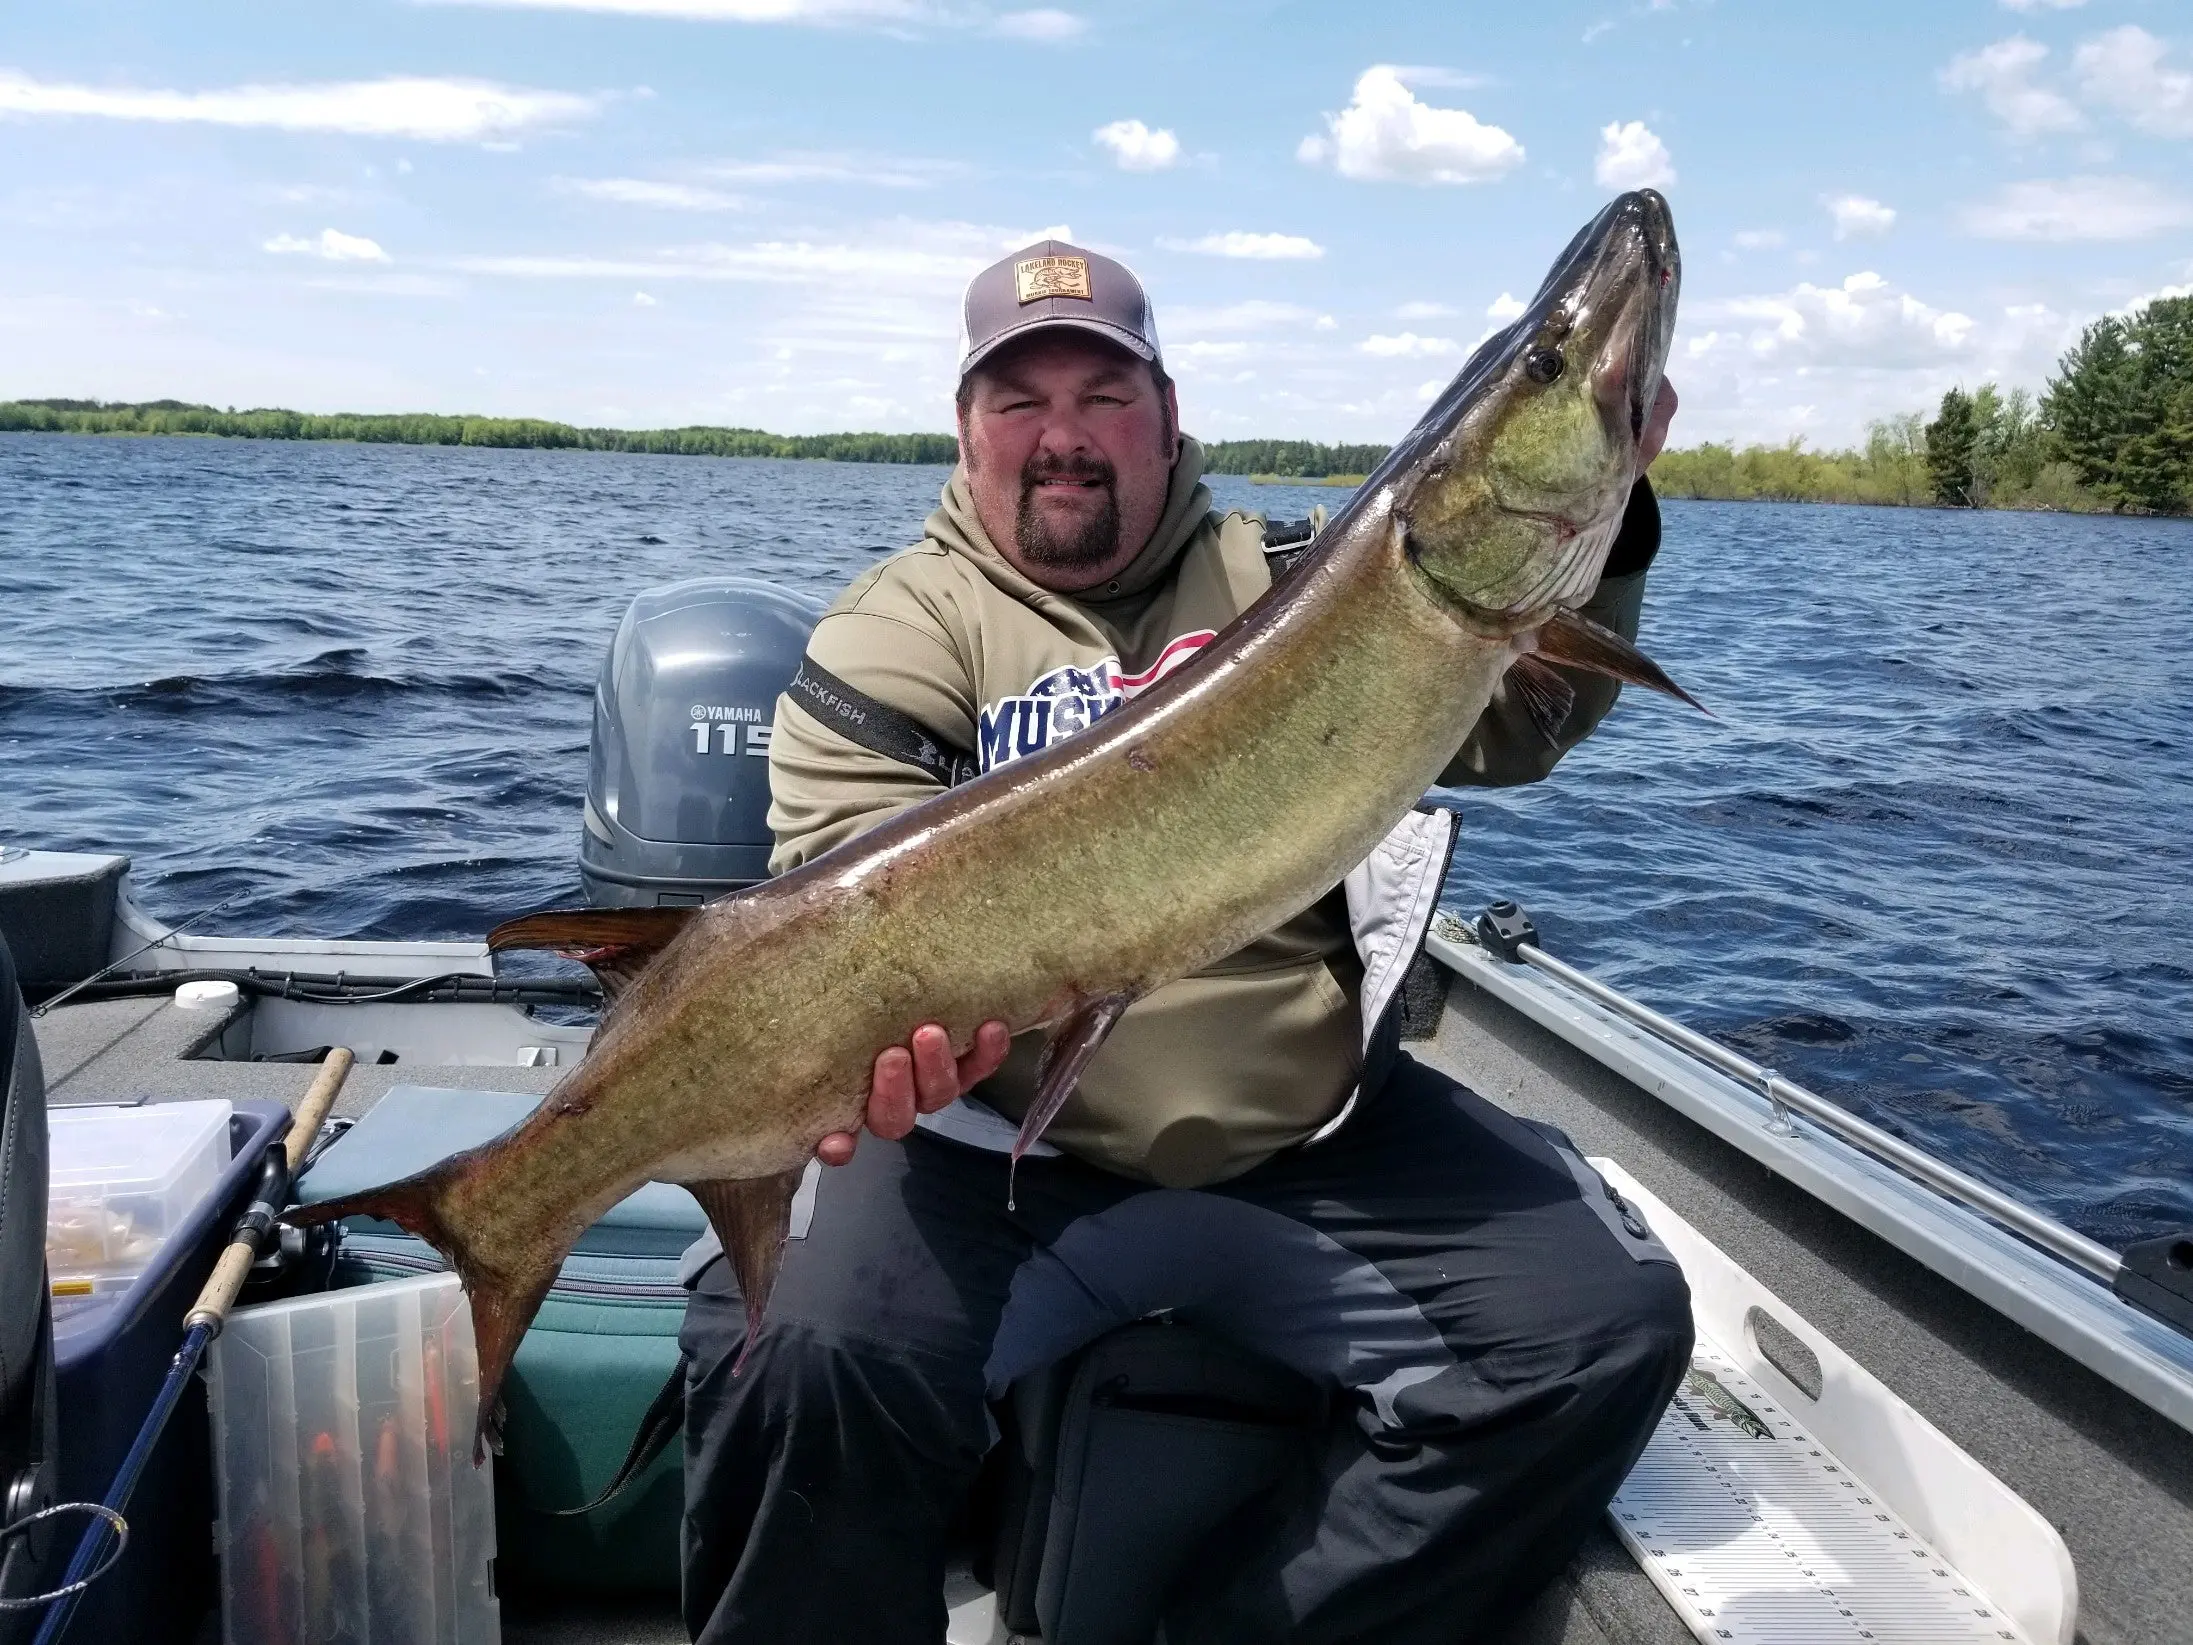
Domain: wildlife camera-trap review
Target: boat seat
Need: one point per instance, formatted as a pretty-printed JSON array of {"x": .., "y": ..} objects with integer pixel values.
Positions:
[
  {"x": 1143, "y": 1455},
  {"x": 29, "y": 1438}
]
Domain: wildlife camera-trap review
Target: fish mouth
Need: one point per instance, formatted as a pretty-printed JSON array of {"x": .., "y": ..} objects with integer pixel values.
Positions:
[{"x": 1632, "y": 282}]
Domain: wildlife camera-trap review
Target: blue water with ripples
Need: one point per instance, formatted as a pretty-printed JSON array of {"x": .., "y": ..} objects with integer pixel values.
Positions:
[{"x": 1930, "y": 857}]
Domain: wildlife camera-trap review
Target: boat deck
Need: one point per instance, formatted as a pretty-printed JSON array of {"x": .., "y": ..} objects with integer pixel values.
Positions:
[{"x": 2115, "y": 1477}]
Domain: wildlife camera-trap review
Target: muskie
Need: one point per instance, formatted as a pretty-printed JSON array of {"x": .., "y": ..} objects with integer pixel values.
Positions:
[{"x": 1214, "y": 807}]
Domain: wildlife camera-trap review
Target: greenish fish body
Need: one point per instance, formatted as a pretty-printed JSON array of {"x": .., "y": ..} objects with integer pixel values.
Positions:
[{"x": 1210, "y": 810}]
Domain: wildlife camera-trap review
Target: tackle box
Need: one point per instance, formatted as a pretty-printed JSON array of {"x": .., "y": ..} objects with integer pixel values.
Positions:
[
  {"x": 350, "y": 1508},
  {"x": 603, "y": 1345},
  {"x": 120, "y": 1181}
]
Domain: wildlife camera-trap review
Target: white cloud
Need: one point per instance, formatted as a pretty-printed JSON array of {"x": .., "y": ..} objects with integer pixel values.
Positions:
[
  {"x": 941, "y": 257},
  {"x": 1864, "y": 321},
  {"x": 1136, "y": 147},
  {"x": 733, "y": 11},
  {"x": 1044, "y": 25},
  {"x": 640, "y": 191},
  {"x": 1409, "y": 346},
  {"x": 1386, "y": 135},
  {"x": 2042, "y": 5},
  {"x": 1505, "y": 307},
  {"x": 1760, "y": 239},
  {"x": 2078, "y": 208},
  {"x": 1596, "y": 30},
  {"x": 2002, "y": 75},
  {"x": 1261, "y": 247},
  {"x": 1632, "y": 157},
  {"x": 880, "y": 171},
  {"x": 1425, "y": 311},
  {"x": 641, "y": 299},
  {"x": 430, "y": 110},
  {"x": 332, "y": 245},
  {"x": 2123, "y": 70},
  {"x": 1856, "y": 216}
]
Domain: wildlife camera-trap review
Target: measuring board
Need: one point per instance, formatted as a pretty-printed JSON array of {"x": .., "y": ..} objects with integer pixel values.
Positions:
[{"x": 1757, "y": 1535}]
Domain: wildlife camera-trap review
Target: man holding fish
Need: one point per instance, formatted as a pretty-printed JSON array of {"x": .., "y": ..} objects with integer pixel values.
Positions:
[{"x": 1245, "y": 1145}]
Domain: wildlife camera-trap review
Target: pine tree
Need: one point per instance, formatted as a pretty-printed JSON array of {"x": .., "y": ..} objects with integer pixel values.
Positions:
[{"x": 1950, "y": 440}]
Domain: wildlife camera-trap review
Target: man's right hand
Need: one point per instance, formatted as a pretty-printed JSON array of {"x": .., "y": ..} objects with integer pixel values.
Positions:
[{"x": 920, "y": 1077}]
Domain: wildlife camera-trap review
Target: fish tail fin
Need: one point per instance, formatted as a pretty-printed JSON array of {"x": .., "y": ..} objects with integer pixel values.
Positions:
[{"x": 504, "y": 1295}]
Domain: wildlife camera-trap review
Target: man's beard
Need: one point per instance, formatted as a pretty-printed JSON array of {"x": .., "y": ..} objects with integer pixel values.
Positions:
[{"x": 1093, "y": 541}]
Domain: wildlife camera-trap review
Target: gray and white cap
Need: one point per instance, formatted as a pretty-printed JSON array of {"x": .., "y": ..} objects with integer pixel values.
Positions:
[{"x": 1053, "y": 284}]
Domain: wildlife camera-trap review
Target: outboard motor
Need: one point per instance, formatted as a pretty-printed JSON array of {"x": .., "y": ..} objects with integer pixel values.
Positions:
[{"x": 677, "y": 791}]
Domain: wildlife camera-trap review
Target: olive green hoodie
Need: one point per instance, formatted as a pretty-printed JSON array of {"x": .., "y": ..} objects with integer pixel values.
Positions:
[{"x": 1211, "y": 1074}]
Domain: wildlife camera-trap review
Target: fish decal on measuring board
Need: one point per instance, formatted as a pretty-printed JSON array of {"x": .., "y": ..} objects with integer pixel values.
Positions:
[{"x": 1221, "y": 801}]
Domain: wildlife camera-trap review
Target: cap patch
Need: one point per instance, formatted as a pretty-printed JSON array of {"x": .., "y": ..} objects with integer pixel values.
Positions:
[{"x": 1038, "y": 277}]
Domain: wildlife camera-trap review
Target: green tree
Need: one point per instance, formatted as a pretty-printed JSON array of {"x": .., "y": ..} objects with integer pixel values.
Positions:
[
  {"x": 1950, "y": 441},
  {"x": 2121, "y": 407}
]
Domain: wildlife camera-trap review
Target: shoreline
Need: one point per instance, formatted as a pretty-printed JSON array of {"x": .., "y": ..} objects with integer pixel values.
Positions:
[{"x": 1234, "y": 459}]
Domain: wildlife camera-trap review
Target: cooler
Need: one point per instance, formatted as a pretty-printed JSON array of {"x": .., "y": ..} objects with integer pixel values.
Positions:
[{"x": 113, "y": 1341}]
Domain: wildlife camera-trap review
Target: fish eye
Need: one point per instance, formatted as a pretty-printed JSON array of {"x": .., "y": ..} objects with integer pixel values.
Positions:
[{"x": 1543, "y": 365}]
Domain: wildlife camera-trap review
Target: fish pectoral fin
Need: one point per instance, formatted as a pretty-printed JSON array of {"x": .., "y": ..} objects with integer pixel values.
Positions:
[
  {"x": 1065, "y": 1057},
  {"x": 616, "y": 944},
  {"x": 752, "y": 1216},
  {"x": 1575, "y": 641},
  {"x": 1543, "y": 695}
]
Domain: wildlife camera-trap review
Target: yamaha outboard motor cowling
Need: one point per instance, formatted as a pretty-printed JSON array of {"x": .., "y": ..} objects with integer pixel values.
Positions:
[{"x": 677, "y": 791}]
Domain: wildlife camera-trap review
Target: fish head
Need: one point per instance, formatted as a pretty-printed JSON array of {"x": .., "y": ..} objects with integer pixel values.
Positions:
[{"x": 1512, "y": 487}]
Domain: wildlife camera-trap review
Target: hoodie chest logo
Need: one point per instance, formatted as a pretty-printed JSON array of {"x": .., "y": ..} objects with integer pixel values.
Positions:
[{"x": 1071, "y": 699}]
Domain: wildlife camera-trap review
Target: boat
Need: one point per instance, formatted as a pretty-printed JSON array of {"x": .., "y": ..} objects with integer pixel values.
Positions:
[{"x": 1918, "y": 1409}]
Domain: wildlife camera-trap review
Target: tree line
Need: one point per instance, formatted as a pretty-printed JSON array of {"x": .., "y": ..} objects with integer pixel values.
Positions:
[
  {"x": 426, "y": 429},
  {"x": 2112, "y": 431},
  {"x": 1290, "y": 459}
]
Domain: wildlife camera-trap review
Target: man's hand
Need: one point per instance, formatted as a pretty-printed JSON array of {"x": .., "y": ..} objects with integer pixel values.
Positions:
[
  {"x": 1656, "y": 425},
  {"x": 920, "y": 1077}
]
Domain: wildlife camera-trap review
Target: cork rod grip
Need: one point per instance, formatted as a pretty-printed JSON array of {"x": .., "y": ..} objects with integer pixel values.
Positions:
[
  {"x": 234, "y": 1266},
  {"x": 312, "y": 1109},
  {"x": 226, "y": 1280}
]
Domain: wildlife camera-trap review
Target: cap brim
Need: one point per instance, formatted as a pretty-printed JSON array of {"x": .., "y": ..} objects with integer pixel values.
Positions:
[{"x": 1060, "y": 322}]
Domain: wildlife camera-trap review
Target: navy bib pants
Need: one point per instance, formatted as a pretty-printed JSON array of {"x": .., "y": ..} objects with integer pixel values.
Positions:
[{"x": 1499, "y": 1331}]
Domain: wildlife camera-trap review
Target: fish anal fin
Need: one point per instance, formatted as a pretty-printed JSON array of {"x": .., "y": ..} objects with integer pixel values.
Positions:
[
  {"x": 1575, "y": 641},
  {"x": 616, "y": 944},
  {"x": 1065, "y": 1057},
  {"x": 1544, "y": 696},
  {"x": 752, "y": 1216}
]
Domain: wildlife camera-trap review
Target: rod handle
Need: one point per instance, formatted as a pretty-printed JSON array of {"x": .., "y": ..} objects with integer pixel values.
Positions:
[
  {"x": 312, "y": 1108},
  {"x": 221, "y": 1287},
  {"x": 234, "y": 1264}
]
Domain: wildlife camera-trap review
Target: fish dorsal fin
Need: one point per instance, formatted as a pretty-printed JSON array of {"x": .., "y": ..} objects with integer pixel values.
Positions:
[
  {"x": 1066, "y": 1055},
  {"x": 752, "y": 1216},
  {"x": 616, "y": 944},
  {"x": 1543, "y": 695},
  {"x": 1575, "y": 641}
]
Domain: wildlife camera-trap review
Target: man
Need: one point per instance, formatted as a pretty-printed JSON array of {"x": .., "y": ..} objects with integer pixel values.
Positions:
[{"x": 1248, "y": 1149}]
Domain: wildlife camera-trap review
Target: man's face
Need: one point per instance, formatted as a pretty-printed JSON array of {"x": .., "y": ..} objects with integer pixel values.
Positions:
[{"x": 1068, "y": 445}]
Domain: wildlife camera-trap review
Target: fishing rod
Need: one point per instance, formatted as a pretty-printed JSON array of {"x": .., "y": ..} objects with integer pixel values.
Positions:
[
  {"x": 112, "y": 966},
  {"x": 278, "y": 1171}
]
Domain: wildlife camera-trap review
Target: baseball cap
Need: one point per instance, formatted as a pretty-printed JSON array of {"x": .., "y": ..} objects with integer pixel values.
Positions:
[{"x": 1051, "y": 284}]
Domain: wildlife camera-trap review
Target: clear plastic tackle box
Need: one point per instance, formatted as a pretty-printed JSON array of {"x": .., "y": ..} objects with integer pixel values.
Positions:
[
  {"x": 342, "y": 1445},
  {"x": 121, "y": 1180}
]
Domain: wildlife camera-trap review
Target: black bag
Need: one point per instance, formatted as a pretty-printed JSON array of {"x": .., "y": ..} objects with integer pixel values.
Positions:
[{"x": 1127, "y": 1460}]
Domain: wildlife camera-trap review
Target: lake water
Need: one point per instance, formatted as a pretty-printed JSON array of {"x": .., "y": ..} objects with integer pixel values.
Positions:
[{"x": 1930, "y": 858}]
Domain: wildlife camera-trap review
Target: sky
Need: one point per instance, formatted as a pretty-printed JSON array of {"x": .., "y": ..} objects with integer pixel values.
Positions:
[{"x": 762, "y": 212}]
